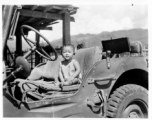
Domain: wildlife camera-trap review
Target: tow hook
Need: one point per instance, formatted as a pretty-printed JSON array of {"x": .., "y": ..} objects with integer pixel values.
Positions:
[{"x": 98, "y": 101}]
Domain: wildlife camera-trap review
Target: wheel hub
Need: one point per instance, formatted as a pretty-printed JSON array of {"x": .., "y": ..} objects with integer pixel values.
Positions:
[{"x": 133, "y": 115}]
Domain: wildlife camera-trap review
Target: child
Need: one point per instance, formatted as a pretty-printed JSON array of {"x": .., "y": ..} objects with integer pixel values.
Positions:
[{"x": 69, "y": 70}]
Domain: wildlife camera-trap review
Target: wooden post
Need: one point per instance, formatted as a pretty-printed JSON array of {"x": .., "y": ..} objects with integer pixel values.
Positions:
[
  {"x": 66, "y": 28},
  {"x": 19, "y": 45},
  {"x": 37, "y": 56}
]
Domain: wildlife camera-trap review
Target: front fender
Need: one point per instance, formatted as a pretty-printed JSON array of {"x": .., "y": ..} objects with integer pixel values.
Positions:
[
  {"x": 107, "y": 77},
  {"x": 118, "y": 66},
  {"x": 131, "y": 63}
]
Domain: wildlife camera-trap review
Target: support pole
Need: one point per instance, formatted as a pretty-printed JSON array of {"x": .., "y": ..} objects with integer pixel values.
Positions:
[
  {"x": 66, "y": 28},
  {"x": 19, "y": 45},
  {"x": 37, "y": 56}
]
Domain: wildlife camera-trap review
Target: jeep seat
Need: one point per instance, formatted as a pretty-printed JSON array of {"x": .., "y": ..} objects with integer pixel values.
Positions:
[{"x": 86, "y": 58}]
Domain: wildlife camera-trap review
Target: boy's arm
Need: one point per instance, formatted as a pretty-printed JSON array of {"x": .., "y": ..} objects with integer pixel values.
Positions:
[
  {"x": 60, "y": 74},
  {"x": 77, "y": 72}
]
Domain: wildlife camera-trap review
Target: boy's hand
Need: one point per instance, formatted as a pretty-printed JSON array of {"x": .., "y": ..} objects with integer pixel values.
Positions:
[
  {"x": 65, "y": 80},
  {"x": 70, "y": 79}
]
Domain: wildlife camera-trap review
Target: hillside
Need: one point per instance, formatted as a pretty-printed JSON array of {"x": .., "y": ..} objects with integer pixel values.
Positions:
[
  {"x": 95, "y": 39},
  {"x": 89, "y": 40}
]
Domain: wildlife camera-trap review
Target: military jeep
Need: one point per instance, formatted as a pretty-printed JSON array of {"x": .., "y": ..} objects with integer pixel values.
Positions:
[{"x": 114, "y": 78}]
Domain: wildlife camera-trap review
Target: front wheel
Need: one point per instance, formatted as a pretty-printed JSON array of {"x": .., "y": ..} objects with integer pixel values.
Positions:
[{"x": 128, "y": 101}]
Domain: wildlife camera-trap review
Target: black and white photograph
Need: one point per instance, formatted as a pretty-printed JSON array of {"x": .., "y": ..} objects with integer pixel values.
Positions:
[{"x": 80, "y": 59}]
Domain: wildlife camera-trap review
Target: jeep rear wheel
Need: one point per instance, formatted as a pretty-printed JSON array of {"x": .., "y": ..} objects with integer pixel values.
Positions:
[{"x": 128, "y": 101}]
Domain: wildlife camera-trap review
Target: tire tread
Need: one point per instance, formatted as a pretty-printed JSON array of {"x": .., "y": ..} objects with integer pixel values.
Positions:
[{"x": 118, "y": 96}]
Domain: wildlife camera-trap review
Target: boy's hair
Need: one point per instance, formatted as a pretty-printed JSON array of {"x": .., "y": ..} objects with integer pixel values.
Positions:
[{"x": 68, "y": 45}]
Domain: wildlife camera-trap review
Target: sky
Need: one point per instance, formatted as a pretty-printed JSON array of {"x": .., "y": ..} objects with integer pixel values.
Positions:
[{"x": 96, "y": 18}]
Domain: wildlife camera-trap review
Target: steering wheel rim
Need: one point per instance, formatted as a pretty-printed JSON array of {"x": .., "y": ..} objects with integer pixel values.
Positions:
[{"x": 45, "y": 55}]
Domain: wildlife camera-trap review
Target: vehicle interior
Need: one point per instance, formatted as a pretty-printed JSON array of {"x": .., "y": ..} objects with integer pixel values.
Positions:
[
  {"x": 48, "y": 72},
  {"x": 35, "y": 89}
]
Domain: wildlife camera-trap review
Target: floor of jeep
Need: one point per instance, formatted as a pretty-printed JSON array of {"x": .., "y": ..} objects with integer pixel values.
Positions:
[{"x": 47, "y": 96}]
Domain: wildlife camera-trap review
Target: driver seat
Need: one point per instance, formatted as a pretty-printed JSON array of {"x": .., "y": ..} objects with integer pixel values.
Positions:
[
  {"x": 86, "y": 58},
  {"x": 43, "y": 77},
  {"x": 48, "y": 70}
]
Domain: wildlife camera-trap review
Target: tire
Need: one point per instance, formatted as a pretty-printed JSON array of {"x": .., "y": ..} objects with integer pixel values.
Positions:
[{"x": 128, "y": 101}]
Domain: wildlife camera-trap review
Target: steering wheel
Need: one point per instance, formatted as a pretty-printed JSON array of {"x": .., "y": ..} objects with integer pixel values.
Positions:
[{"x": 43, "y": 53}]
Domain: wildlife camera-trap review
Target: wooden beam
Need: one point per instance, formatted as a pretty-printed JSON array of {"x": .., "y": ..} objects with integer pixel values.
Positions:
[
  {"x": 47, "y": 28},
  {"x": 46, "y": 22},
  {"x": 39, "y": 22},
  {"x": 57, "y": 7},
  {"x": 37, "y": 56},
  {"x": 29, "y": 20},
  {"x": 66, "y": 28},
  {"x": 19, "y": 45},
  {"x": 63, "y": 11},
  {"x": 47, "y": 9},
  {"x": 34, "y": 7},
  {"x": 73, "y": 12},
  {"x": 42, "y": 27},
  {"x": 36, "y": 14}
]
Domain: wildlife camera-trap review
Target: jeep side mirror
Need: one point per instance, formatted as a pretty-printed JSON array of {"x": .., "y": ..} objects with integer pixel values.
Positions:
[{"x": 108, "y": 59}]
